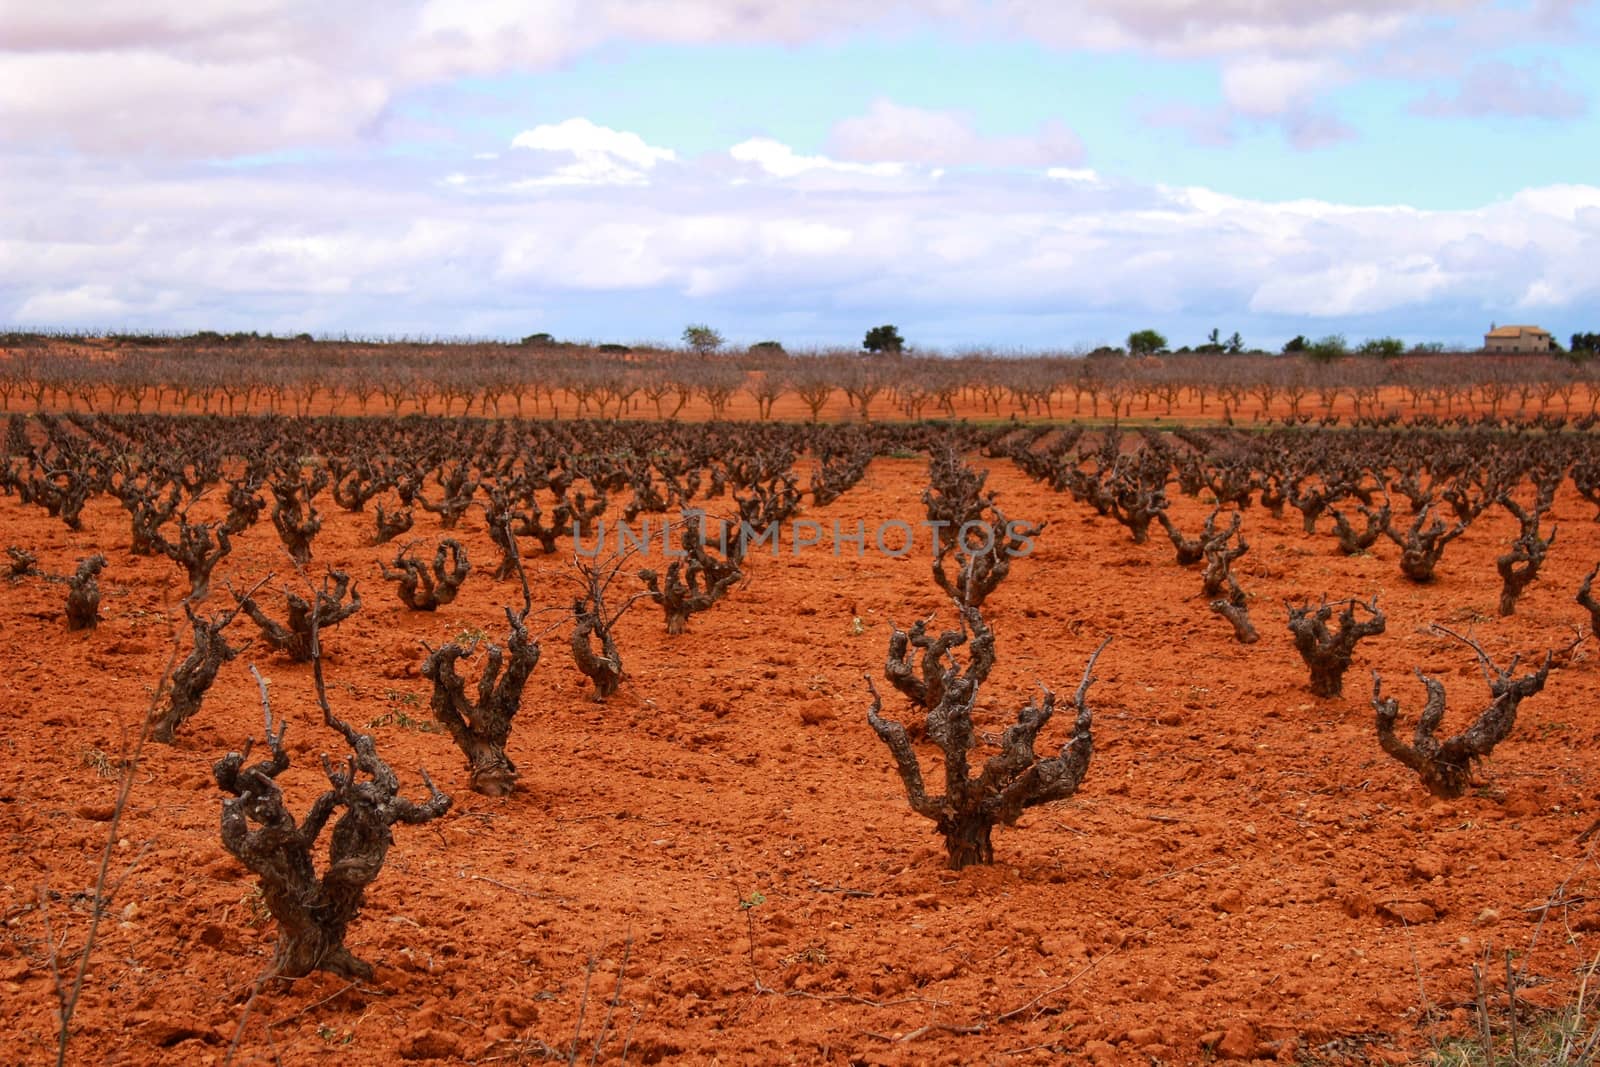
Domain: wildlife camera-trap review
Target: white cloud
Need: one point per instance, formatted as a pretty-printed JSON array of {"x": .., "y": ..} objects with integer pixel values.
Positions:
[
  {"x": 1073, "y": 174},
  {"x": 1571, "y": 203},
  {"x": 781, "y": 161},
  {"x": 112, "y": 25},
  {"x": 349, "y": 252},
  {"x": 1352, "y": 288},
  {"x": 696, "y": 254},
  {"x": 212, "y": 78},
  {"x": 583, "y": 138},
  {"x": 86, "y": 304},
  {"x": 601, "y": 155},
  {"x": 98, "y": 100},
  {"x": 1542, "y": 294},
  {"x": 895, "y": 133},
  {"x": 802, "y": 237},
  {"x": 139, "y": 102},
  {"x": 1226, "y": 27},
  {"x": 208, "y": 78},
  {"x": 1280, "y": 93},
  {"x": 1272, "y": 87},
  {"x": 477, "y": 36},
  {"x": 619, "y": 255}
]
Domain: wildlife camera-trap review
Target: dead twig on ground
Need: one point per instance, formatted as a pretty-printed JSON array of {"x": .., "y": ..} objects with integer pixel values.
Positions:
[
  {"x": 1014, "y": 1012},
  {"x": 68, "y": 999},
  {"x": 924, "y": 1031}
]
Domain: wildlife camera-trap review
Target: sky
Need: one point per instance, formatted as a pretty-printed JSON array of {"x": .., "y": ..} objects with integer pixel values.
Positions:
[{"x": 1016, "y": 175}]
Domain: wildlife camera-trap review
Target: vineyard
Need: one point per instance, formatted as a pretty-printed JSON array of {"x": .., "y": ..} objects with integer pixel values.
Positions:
[{"x": 596, "y": 739}]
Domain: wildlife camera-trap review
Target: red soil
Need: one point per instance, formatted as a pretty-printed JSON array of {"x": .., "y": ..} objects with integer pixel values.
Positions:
[{"x": 1243, "y": 870}]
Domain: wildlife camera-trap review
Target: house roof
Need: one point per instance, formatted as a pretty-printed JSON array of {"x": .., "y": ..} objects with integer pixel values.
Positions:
[{"x": 1517, "y": 331}]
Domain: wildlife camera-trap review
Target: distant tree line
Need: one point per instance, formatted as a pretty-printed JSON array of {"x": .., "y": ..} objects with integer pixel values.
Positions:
[{"x": 547, "y": 378}]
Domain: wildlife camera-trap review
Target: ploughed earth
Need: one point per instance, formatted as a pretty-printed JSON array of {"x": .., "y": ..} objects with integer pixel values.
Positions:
[{"x": 719, "y": 863}]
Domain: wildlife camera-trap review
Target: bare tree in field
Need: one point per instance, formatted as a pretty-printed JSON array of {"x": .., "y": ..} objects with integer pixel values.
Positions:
[
  {"x": 481, "y": 727},
  {"x": 192, "y": 678},
  {"x": 244, "y": 503},
  {"x": 766, "y": 387},
  {"x": 1328, "y": 653},
  {"x": 695, "y": 582},
  {"x": 1228, "y": 598},
  {"x": 21, "y": 563},
  {"x": 1191, "y": 550},
  {"x": 656, "y": 385},
  {"x": 148, "y": 510},
  {"x": 83, "y": 593},
  {"x": 314, "y": 910},
  {"x": 1354, "y": 541},
  {"x": 917, "y": 661},
  {"x": 1235, "y": 607},
  {"x": 294, "y": 513},
  {"x": 1422, "y": 546},
  {"x": 716, "y": 383},
  {"x": 199, "y": 548},
  {"x": 1520, "y": 566},
  {"x": 460, "y": 487},
  {"x": 1219, "y": 556},
  {"x": 1587, "y": 601},
  {"x": 955, "y": 495},
  {"x": 1012, "y": 780},
  {"x": 862, "y": 382},
  {"x": 814, "y": 381},
  {"x": 985, "y": 557},
  {"x": 293, "y": 636},
  {"x": 594, "y": 646},
  {"x": 1445, "y": 767},
  {"x": 355, "y": 482},
  {"x": 391, "y": 524},
  {"x": 422, "y": 588}
]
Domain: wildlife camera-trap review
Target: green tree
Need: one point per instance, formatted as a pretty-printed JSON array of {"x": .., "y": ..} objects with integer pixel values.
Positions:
[
  {"x": 767, "y": 348},
  {"x": 1215, "y": 343},
  {"x": 1329, "y": 348},
  {"x": 702, "y": 338},
  {"x": 1298, "y": 345},
  {"x": 1382, "y": 347},
  {"x": 884, "y": 339},
  {"x": 1146, "y": 342}
]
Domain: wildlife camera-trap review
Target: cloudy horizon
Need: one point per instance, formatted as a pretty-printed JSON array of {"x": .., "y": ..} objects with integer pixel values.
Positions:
[{"x": 1012, "y": 174}]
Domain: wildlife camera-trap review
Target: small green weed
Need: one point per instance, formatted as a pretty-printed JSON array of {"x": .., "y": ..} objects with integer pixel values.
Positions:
[{"x": 405, "y": 722}]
